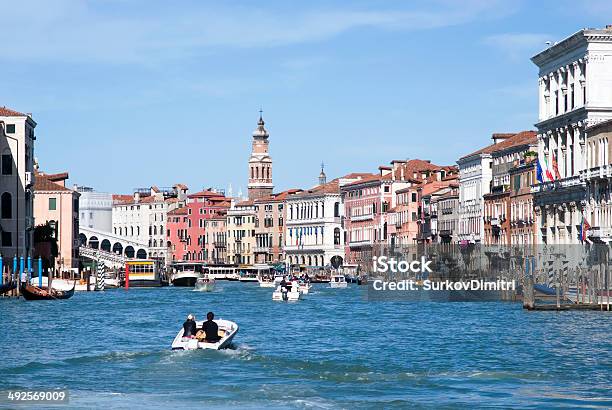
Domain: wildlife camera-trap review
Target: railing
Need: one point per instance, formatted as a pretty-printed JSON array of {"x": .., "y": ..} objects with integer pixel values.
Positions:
[
  {"x": 362, "y": 217},
  {"x": 261, "y": 249},
  {"x": 111, "y": 259},
  {"x": 560, "y": 183},
  {"x": 366, "y": 242}
]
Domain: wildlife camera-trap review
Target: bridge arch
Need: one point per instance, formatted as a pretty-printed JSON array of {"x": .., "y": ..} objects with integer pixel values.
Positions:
[
  {"x": 94, "y": 242},
  {"x": 82, "y": 239},
  {"x": 141, "y": 254},
  {"x": 105, "y": 245},
  {"x": 129, "y": 251},
  {"x": 118, "y": 248}
]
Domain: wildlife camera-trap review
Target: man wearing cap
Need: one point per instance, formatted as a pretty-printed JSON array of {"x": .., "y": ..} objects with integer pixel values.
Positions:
[{"x": 189, "y": 327}]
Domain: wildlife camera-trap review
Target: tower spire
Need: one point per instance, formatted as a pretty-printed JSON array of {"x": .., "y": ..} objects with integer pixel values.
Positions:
[{"x": 322, "y": 176}]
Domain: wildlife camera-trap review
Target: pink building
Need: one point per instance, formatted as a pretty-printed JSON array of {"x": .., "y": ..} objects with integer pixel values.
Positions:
[
  {"x": 371, "y": 206},
  {"x": 59, "y": 207},
  {"x": 187, "y": 233}
]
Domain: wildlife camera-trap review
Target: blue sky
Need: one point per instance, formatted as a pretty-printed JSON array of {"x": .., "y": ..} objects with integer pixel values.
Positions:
[{"x": 136, "y": 93}]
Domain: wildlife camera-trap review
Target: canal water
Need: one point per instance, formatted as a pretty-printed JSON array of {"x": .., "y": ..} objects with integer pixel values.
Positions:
[{"x": 331, "y": 350}]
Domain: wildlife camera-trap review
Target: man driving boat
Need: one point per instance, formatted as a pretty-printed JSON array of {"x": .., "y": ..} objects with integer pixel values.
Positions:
[{"x": 210, "y": 330}]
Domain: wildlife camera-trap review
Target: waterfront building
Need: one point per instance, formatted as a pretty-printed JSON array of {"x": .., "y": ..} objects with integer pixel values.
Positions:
[
  {"x": 176, "y": 234},
  {"x": 523, "y": 229},
  {"x": 216, "y": 237},
  {"x": 476, "y": 181},
  {"x": 260, "y": 164},
  {"x": 314, "y": 231},
  {"x": 271, "y": 214},
  {"x": 96, "y": 209},
  {"x": 142, "y": 217},
  {"x": 429, "y": 192},
  {"x": 598, "y": 178},
  {"x": 58, "y": 206},
  {"x": 575, "y": 93},
  {"x": 16, "y": 180},
  {"x": 505, "y": 155},
  {"x": 367, "y": 203},
  {"x": 201, "y": 207},
  {"x": 403, "y": 228},
  {"x": 447, "y": 216},
  {"x": 241, "y": 233}
]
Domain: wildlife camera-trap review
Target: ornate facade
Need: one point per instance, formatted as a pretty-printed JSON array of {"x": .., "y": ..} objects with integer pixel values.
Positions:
[{"x": 575, "y": 92}]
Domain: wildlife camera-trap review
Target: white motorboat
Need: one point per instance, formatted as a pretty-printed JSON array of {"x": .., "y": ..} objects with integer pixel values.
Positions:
[
  {"x": 282, "y": 294},
  {"x": 205, "y": 284},
  {"x": 338, "y": 281},
  {"x": 265, "y": 281},
  {"x": 227, "y": 331},
  {"x": 111, "y": 281},
  {"x": 278, "y": 278},
  {"x": 304, "y": 287}
]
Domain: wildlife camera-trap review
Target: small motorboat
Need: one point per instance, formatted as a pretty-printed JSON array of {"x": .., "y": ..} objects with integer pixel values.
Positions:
[
  {"x": 338, "y": 281},
  {"x": 282, "y": 294},
  {"x": 111, "y": 281},
  {"x": 227, "y": 331},
  {"x": 265, "y": 281},
  {"x": 278, "y": 278},
  {"x": 31, "y": 292},
  {"x": 304, "y": 287},
  {"x": 205, "y": 284},
  {"x": 7, "y": 287}
]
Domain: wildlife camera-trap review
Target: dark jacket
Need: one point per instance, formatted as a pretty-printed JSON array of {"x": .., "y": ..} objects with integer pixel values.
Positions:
[{"x": 189, "y": 328}]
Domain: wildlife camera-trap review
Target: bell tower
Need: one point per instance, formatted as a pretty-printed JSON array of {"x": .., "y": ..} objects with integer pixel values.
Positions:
[{"x": 260, "y": 163}]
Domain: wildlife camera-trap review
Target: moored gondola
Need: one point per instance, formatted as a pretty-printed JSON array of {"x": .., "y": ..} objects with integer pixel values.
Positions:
[
  {"x": 30, "y": 292},
  {"x": 7, "y": 287}
]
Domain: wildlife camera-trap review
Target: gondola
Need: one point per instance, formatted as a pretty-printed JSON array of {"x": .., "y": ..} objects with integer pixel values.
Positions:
[
  {"x": 7, "y": 287},
  {"x": 30, "y": 292}
]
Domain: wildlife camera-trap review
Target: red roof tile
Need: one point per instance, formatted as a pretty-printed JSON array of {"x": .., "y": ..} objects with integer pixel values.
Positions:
[
  {"x": 519, "y": 138},
  {"x": 43, "y": 183},
  {"x": 7, "y": 112}
]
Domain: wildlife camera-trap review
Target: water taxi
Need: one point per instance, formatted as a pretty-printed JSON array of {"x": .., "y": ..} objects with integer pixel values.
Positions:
[{"x": 185, "y": 273}]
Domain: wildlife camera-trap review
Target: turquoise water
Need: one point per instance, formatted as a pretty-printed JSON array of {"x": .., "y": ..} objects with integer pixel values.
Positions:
[{"x": 331, "y": 350}]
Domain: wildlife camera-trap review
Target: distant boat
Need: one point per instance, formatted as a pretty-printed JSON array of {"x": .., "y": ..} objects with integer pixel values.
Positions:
[
  {"x": 282, "y": 294},
  {"x": 205, "y": 284},
  {"x": 7, "y": 287},
  {"x": 30, "y": 292},
  {"x": 186, "y": 274},
  {"x": 227, "y": 331},
  {"x": 338, "y": 281}
]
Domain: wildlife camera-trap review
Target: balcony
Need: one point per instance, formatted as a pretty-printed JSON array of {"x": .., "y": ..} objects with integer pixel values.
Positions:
[
  {"x": 220, "y": 244},
  {"x": 362, "y": 217},
  {"x": 360, "y": 244},
  {"x": 261, "y": 249},
  {"x": 600, "y": 234},
  {"x": 602, "y": 172},
  {"x": 559, "y": 184}
]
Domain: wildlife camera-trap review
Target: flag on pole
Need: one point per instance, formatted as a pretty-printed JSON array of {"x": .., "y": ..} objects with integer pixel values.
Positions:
[
  {"x": 584, "y": 227},
  {"x": 549, "y": 174},
  {"x": 555, "y": 166},
  {"x": 539, "y": 174}
]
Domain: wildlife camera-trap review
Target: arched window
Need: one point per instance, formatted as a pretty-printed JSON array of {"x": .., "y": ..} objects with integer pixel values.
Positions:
[{"x": 7, "y": 205}]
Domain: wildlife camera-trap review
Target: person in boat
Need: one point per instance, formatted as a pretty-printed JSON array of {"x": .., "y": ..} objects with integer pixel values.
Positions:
[
  {"x": 210, "y": 329},
  {"x": 283, "y": 284},
  {"x": 189, "y": 327}
]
